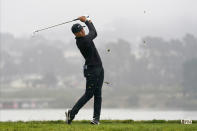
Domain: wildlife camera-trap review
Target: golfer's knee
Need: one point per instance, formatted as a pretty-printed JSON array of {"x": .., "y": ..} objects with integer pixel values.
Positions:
[{"x": 89, "y": 95}]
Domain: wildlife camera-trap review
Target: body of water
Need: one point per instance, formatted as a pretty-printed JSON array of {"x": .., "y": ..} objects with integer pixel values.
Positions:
[{"x": 86, "y": 114}]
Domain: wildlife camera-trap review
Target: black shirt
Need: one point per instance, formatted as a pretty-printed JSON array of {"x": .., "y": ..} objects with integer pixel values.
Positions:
[{"x": 87, "y": 47}]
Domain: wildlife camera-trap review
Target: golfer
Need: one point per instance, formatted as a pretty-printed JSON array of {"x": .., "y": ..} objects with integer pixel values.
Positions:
[{"x": 93, "y": 70}]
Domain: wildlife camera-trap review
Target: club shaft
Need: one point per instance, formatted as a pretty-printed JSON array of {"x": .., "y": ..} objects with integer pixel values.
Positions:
[{"x": 54, "y": 26}]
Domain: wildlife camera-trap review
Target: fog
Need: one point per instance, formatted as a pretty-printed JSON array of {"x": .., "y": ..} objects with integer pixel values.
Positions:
[
  {"x": 167, "y": 18},
  {"x": 148, "y": 49}
]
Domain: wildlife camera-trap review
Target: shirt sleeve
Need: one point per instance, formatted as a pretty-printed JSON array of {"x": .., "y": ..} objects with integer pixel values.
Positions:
[{"x": 92, "y": 31}]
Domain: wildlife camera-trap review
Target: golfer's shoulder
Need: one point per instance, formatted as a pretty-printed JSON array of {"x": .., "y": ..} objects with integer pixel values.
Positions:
[
  {"x": 84, "y": 41},
  {"x": 81, "y": 39},
  {"x": 87, "y": 41},
  {"x": 87, "y": 38}
]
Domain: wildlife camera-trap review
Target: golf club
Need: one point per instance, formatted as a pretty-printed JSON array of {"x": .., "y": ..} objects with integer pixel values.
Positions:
[{"x": 56, "y": 25}]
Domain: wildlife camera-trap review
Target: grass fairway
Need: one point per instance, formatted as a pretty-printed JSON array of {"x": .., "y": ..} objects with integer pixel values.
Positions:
[{"x": 106, "y": 125}]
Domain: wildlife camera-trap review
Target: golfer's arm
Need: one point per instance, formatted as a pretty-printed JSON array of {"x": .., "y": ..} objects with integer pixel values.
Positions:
[{"x": 92, "y": 31}]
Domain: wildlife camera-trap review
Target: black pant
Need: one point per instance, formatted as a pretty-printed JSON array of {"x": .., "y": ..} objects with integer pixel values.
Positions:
[{"x": 94, "y": 81}]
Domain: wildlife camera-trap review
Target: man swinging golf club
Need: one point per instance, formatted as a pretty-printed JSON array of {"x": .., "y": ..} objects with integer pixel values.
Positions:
[{"x": 93, "y": 70}]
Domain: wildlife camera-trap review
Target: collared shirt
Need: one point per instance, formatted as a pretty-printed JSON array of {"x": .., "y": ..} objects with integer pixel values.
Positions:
[{"x": 87, "y": 47}]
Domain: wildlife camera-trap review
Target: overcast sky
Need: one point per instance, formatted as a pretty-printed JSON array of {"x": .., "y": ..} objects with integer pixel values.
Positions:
[{"x": 167, "y": 18}]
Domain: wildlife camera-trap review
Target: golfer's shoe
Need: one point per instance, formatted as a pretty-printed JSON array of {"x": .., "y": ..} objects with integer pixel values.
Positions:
[
  {"x": 95, "y": 122},
  {"x": 68, "y": 116}
]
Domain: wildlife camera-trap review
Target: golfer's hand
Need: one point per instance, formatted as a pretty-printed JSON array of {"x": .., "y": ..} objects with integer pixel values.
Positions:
[{"x": 82, "y": 19}]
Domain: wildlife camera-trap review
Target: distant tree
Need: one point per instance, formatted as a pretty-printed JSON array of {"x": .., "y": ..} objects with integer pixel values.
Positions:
[
  {"x": 50, "y": 80},
  {"x": 190, "y": 76}
]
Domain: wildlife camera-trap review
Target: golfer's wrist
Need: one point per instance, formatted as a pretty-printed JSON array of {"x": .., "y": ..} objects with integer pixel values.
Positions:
[{"x": 88, "y": 21}]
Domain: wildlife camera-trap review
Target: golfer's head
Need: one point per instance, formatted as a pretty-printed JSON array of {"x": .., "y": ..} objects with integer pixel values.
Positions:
[{"x": 78, "y": 30}]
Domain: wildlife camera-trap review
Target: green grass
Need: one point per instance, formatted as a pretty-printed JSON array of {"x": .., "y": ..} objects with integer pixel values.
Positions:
[{"x": 106, "y": 125}]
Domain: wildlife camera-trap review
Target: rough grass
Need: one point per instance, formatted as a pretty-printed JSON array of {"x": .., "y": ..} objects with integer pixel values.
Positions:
[{"x": 106, "y": 125}]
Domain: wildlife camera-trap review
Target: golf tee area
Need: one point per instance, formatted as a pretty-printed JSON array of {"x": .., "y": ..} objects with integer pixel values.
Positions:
[{"x": 106, "y": 125}]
